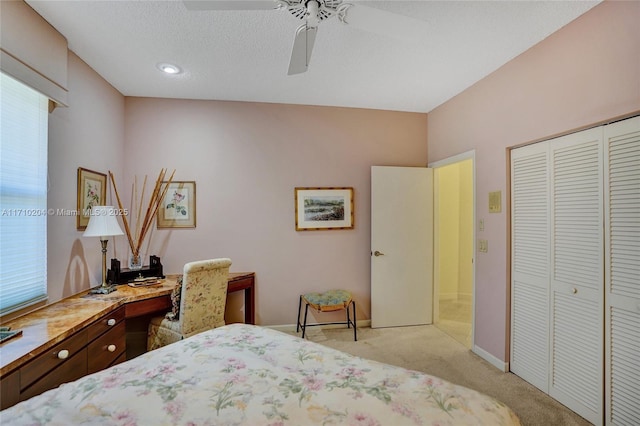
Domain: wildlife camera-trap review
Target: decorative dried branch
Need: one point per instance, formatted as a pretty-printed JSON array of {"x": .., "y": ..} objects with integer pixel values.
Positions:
[
  {"x": 164, "y": 192},
  {"x": 139, "y": 211},
  {"x": 148, "y": 218},
  {"x": 135, "y": 241},
  {"x": 124, "y": 218}
]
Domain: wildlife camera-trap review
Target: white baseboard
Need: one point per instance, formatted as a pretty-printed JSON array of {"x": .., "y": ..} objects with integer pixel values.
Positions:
[
  {"x": 456, "y": 297},
  {"x": 465, "y": 297},
  {"x": 498, "y": 363},
  {"x": 447, "y": 296},
  {"x": 291, "y": 328}
]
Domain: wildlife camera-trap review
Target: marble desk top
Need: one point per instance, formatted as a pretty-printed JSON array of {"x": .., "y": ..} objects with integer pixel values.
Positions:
[{"x": 45, "y": 327}]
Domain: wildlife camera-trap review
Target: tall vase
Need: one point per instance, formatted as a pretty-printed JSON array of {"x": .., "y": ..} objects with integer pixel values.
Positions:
[{"x": 135, "y": 262}]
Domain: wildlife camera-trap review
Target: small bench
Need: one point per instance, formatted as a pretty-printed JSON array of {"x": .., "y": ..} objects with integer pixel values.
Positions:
[{"x": 329, "y": 301}]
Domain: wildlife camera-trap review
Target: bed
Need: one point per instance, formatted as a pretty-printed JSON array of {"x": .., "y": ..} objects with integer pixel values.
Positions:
[{"x": 249, "y": 375}]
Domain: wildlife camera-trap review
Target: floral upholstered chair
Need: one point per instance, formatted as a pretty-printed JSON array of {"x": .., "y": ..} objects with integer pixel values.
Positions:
[{"x": 198, "y": 303}]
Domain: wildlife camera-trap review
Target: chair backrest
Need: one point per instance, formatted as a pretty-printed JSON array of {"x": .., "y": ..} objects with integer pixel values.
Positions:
[{"x": 204, "y": 295}]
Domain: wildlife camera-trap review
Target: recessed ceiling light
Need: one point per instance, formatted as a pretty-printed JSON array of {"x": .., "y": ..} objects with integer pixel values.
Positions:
[{"x": 169, "y": 68}]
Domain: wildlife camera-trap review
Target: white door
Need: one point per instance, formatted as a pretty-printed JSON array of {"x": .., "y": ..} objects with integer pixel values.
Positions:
[
  {"x": 401, "y": 246},
  {"x": 530, "y": 262},
  {"x": 577, "y": 273},
  {"x": 622, "y": 253},
  {"x": 557, "y": 269}
]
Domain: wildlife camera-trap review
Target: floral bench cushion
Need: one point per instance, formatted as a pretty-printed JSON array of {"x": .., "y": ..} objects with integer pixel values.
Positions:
[{"x": 331, "y": 300}]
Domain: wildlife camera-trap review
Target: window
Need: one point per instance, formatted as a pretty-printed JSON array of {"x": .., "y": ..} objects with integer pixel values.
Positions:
[{"x": 23, "y": 195}]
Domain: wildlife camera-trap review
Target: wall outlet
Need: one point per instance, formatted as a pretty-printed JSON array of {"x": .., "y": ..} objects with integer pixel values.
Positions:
[
  {"x": 481, "y": 225},
  {"x": 483, "y": 246}
]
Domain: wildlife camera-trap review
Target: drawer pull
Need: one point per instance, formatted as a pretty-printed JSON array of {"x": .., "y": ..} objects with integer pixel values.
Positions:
[
  {"x": 63, "y": 354},
  {"x": 574, "y": 290},
  {"x": 111, "y": 348},
  {"x": 111, "y": 321}
]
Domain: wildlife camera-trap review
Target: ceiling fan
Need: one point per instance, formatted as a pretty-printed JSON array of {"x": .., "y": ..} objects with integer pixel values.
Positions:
[{"x": 312, "y": 12}]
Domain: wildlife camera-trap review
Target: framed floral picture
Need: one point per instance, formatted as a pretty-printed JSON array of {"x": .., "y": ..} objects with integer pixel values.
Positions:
[
  {"x": 92, "y": 191},
  {"x": 323, "y": 208},
  {"x": 178, "y": 207}
]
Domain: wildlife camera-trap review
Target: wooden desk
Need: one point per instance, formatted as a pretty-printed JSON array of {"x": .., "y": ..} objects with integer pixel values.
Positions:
[
  {"x": 93, "y": 332},
  {"x": 159, "y": 296},
  {"x": 50, "y": 325},
  {"x": 245, "y": 281}
]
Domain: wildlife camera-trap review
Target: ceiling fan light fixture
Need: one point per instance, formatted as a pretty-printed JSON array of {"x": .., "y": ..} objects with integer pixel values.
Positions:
[
  {"x": 312, "y": 13},
  {"x": 169, "y": 68}
]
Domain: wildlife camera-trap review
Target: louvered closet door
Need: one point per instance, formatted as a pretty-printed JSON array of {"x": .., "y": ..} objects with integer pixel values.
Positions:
[
  {"x": 530, "y": 264},
  {"x": 577, "y": 276},
  {"x": 622, "y": 278}
]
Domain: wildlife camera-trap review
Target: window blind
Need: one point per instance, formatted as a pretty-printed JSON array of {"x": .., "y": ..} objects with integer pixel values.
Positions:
[{"x": 23, "y": 195}]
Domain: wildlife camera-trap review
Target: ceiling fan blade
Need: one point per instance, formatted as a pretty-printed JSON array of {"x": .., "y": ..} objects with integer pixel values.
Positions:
[
  {"x": 232, "y": 4},
  {"x": 383, "y": 22},
  {"x": 302, "y": 47}
]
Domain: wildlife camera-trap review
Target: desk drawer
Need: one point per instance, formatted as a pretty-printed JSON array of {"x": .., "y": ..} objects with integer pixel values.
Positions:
[
  {"x": 9, "y": 390},
  {"x": 72, "y": 369},
  {"x": 105, "y": 323},
  {"x": 53, "y": 358},
  {"x": 158, "y": 305},
  {"x": 103, "y": 351}
]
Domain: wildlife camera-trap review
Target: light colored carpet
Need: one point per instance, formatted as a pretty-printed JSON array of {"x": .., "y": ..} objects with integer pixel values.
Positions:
[
  {"x": 455, "y": 319},
  {"x": 460, "y": 331},
  {"x": 428, "y": 349}
]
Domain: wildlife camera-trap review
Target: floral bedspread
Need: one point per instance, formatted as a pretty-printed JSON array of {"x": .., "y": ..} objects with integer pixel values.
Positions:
[{"x": 249, "y": 375}]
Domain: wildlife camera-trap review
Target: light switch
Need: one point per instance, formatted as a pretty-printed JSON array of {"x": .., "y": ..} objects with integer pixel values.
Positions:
[{"x": 481, "y": 225}]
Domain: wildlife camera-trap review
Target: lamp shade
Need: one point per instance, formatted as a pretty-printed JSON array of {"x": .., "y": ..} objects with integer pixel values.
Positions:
[{"x": 103, "y": 222}]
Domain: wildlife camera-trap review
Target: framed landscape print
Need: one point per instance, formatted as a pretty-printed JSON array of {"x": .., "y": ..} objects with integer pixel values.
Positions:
[
  {"x": 178, "y": 208},
  {"x": 92, "y": 191},
  {"x": 323, "y": 208}
]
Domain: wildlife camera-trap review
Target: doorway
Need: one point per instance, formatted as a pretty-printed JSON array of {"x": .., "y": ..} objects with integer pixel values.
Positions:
[{"x": 454, "y": 217}]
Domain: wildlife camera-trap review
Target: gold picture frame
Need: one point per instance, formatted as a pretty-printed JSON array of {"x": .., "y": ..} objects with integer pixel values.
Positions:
[
  {"x": 318, "y": 209},
  {"x": 178, "y": 208},
  {"x": 92, "y": 191}
]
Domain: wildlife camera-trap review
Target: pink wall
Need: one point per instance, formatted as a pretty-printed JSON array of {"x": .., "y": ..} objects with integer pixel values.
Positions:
[
  {"x": 88, "y": 133},
  {"x": 246, "y": 159},
  {"x": 587, "y": 72}
]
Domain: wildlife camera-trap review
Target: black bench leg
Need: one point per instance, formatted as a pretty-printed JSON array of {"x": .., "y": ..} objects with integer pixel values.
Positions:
[
  {"x": 298, "y": 319},
  {"x": 355, "y": 329},
  {"x": 304, "y": 326}
]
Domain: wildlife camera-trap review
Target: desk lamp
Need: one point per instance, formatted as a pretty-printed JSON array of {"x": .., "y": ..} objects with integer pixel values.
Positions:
[{"x": 103, "y": 224}]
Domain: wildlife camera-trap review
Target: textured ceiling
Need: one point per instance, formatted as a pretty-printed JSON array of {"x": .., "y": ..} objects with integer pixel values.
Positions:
[{"x": 244, "y": 55}]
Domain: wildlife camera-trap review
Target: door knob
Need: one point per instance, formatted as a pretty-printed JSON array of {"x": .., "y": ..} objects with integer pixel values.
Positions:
[{"x": 377, "y": 253}]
